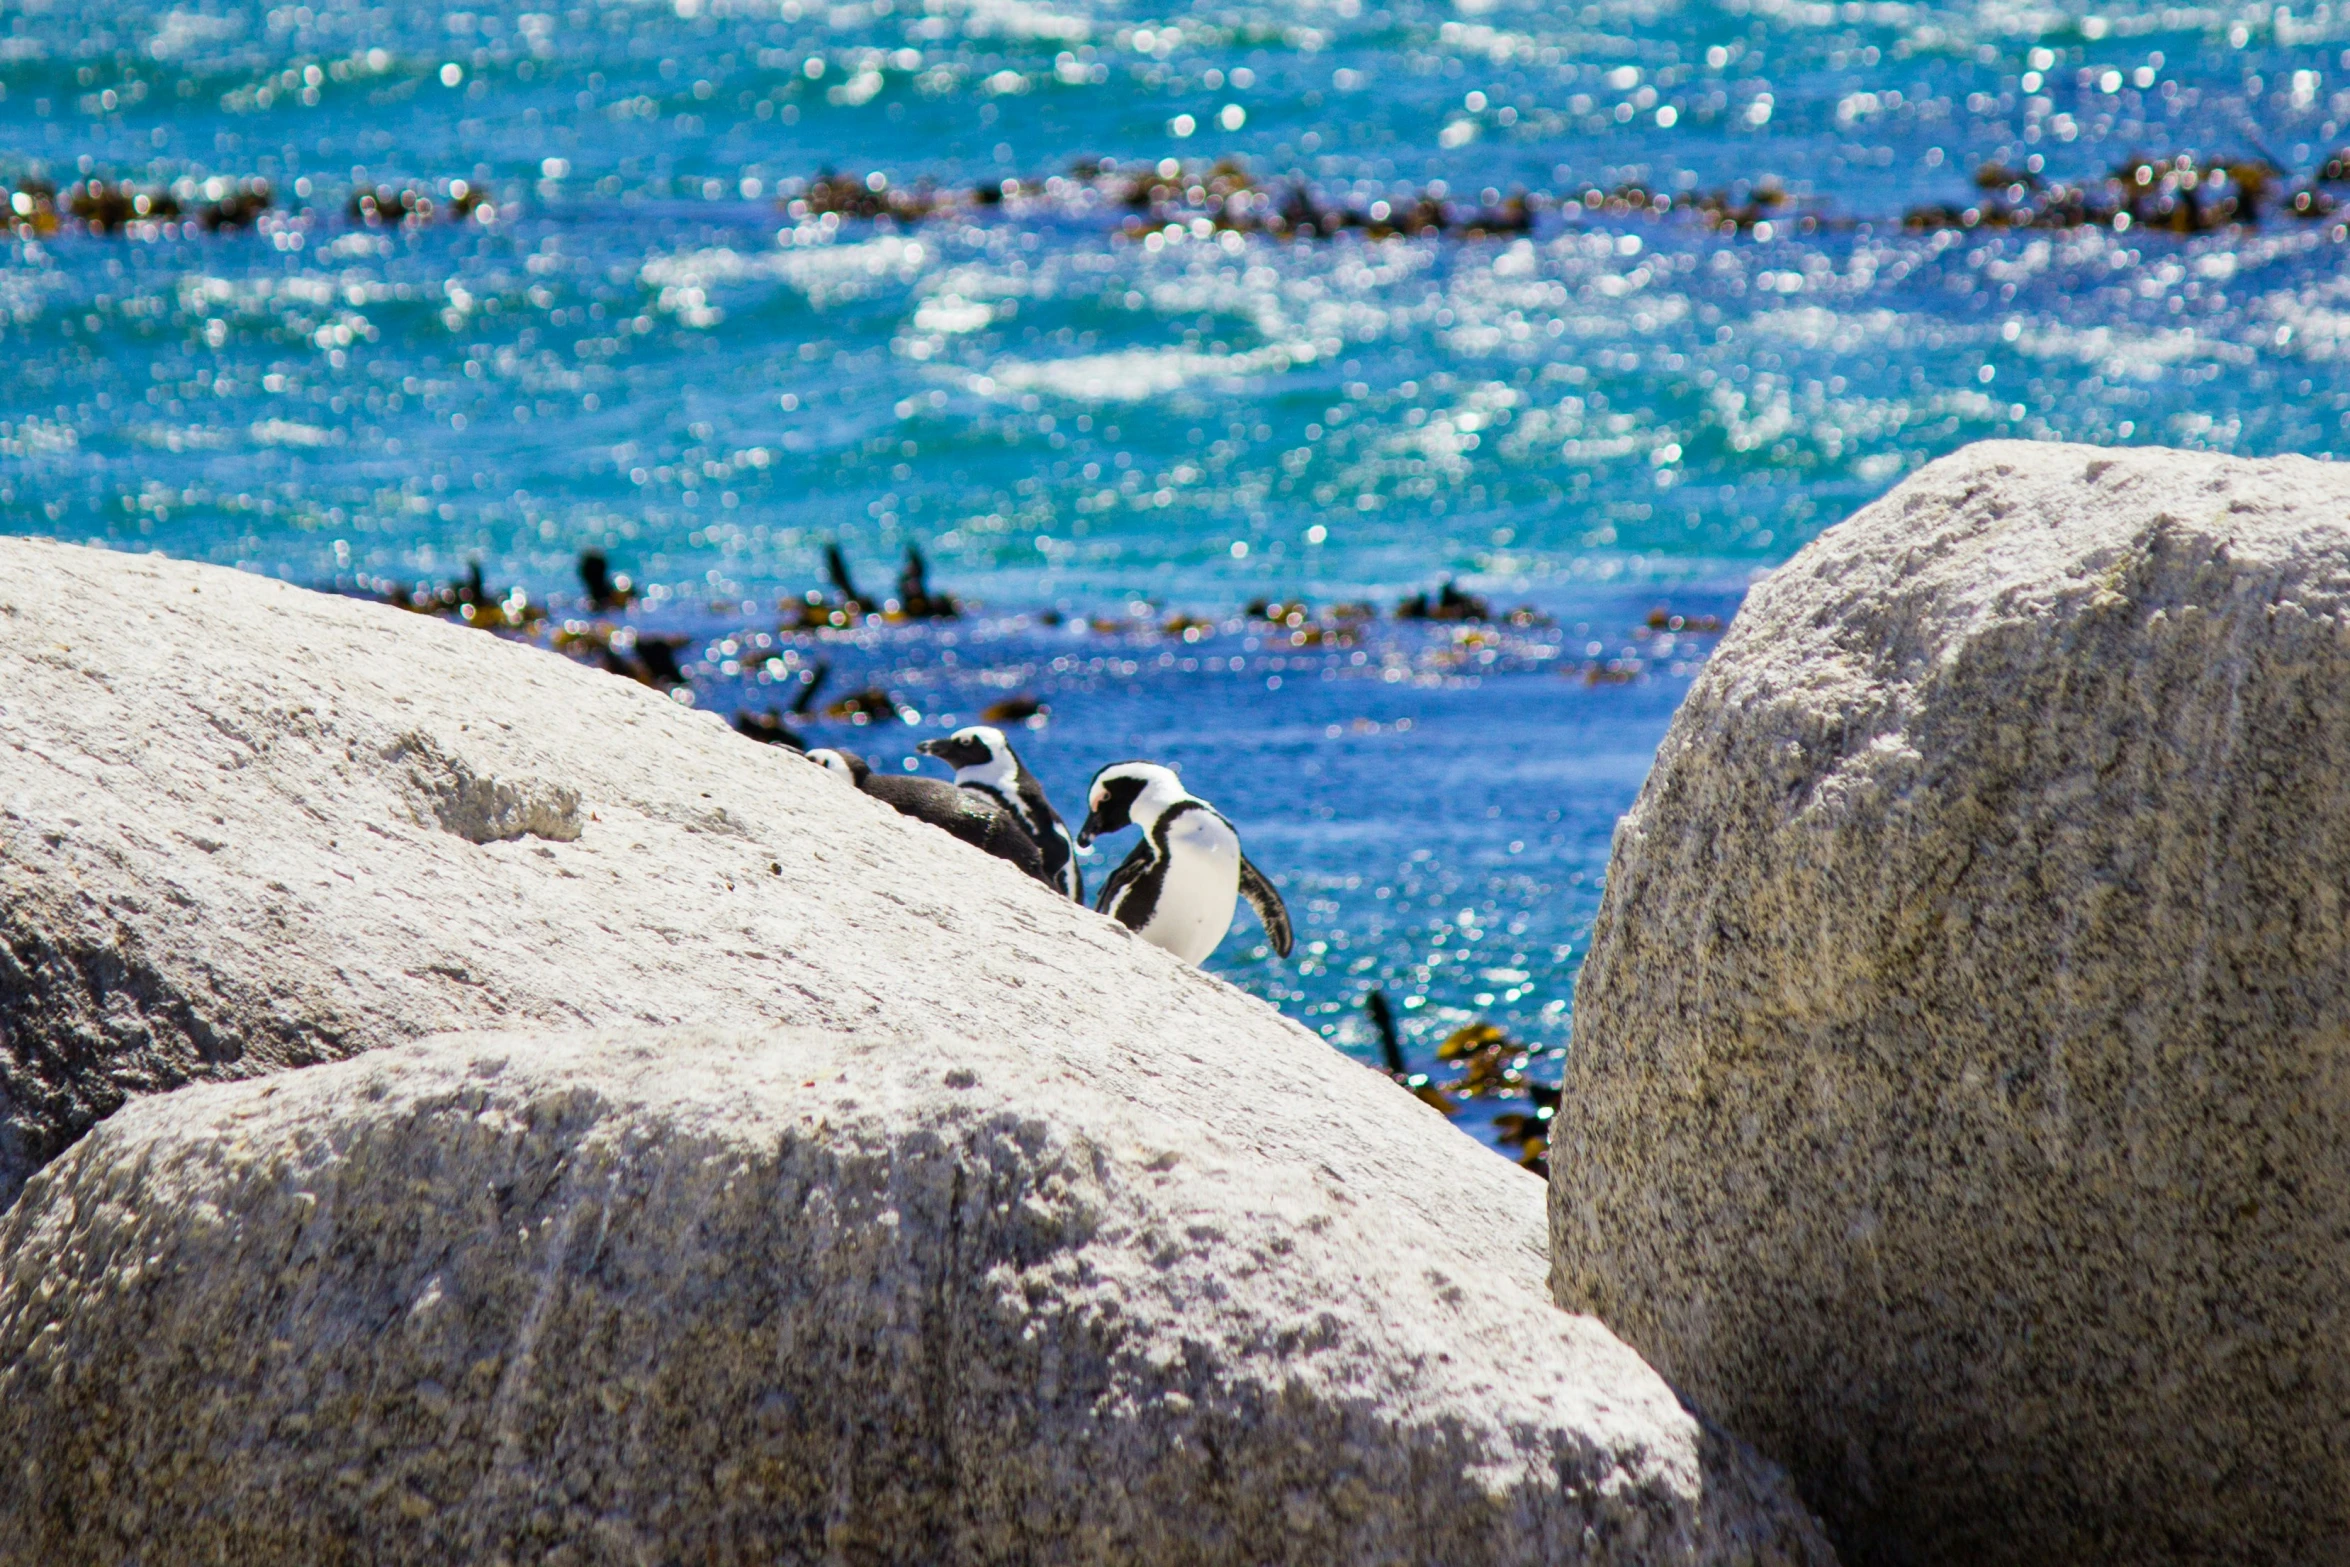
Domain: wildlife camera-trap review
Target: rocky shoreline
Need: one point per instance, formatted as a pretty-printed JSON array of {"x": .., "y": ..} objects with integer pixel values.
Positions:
[{"x": 457, "y": 1105}]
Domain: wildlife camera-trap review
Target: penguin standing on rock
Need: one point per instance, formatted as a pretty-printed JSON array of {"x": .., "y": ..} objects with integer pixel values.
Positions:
[
  {"x": 969, "y": 815},
  {"x": 985, "y": 763},
  {"x": 1178, "y": 887}
]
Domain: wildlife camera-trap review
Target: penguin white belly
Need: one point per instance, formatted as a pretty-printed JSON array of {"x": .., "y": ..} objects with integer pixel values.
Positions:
[{"x": 1202, "y": 886}]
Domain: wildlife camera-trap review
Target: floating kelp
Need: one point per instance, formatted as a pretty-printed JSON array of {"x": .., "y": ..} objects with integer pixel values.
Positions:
[
  {"x": 605, "y": 592},
  {"x": 1489, "y": 1060},
  {"x": 413, "y": 206},
  {"x": 1528, "y": 1130},
  {"x": 871, "y": 706},
  {"x": 1491, "y": 1065},
  {"x": 1450, "y": 603},
  {"x": 625, "y": 651},
  {"x": 915, "y": 600},
  {"x": 774, "y": 726},
  {"x": 2178, "y": 194},
  {"x": 36, "y": 208},
  {"x": 1667, "y": 621},
  {"x": 234, "y": 204},
  {"x": 846, "y": 606},
  {"x": 31, "y": 210},
  {"x": 843, "y": 608},
  {"x": 104, "y": 208},
  {"x": 1340, "y": 625},
  {"x": 1740, "y": 211},
  {"x": 1021, "y": 709},
  {"x": 770, "y": 728},
  {"x": 1763, "y": 208},
  {"x": 469, "y": 600},
  {"x": 1391, "y": 1057},
  {"x": 1226, "y": 197},
  {"x": 867, "y": 196}
]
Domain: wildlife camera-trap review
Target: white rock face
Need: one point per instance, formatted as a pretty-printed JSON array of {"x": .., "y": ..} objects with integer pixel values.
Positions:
[
  {"x": 796, "y": 1295},
  {"x": 1961, "y": 1073},
  {"x": 963, "y": 1226},
  {"x": 245, "y": 826}
]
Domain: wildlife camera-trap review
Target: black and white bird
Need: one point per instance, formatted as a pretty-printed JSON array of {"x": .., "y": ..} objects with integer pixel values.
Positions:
[
  {"x": 969, "y": 815},
  {"x": 985, "y": 763},
  {"x": 1178, "y": 888}
]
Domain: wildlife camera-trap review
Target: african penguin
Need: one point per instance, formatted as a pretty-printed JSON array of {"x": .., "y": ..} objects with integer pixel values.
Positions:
[
  {"x": 969, "y": 815},
  {"x": 1176, "y": 890},
  {"x": 841, "y": 764},
  {"x": 985, "y": 762}
]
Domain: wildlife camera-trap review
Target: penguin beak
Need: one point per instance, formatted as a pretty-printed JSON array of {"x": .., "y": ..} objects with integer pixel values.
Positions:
[
  {"x": 929, "y": 747},
  {"x": 1086, "y": 832}
]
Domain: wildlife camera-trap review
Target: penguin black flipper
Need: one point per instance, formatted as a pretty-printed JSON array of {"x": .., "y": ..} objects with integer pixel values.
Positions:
[
  {"x": 1131, "y": 893},
  {"x": 1007, "y": 840},
  {"x": 1267, "y": 902},
  {"x": 978, "y": 822}
]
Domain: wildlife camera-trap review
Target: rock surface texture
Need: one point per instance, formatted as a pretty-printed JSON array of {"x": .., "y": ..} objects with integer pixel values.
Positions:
[
  {"x": 796, "y": 1296},
  {"x": 961, "y": 1226},
  {"x": 246, "y": 826},
  {"x": 1961, "y": 1073}
]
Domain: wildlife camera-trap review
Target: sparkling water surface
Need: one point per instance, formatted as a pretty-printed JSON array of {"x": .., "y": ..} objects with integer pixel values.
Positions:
[{"x": 1091, "y": 431}]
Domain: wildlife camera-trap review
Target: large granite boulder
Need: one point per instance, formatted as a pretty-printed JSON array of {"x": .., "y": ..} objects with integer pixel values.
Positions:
[
  {"x": 816, "y": 1296},
  {"x": 1960, "y": 1085}
]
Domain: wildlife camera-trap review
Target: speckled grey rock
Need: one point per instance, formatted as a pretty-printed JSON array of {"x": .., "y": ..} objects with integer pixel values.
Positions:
[
  {"x": 798, "y": 1296},
  {"x": 1960, "y": 1084}
]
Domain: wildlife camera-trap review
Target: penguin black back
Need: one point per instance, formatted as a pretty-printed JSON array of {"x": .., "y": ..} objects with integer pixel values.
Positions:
[{"x": 972, "y": 817}]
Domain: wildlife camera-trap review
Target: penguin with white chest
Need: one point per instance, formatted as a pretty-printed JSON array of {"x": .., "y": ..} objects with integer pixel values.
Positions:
[
  {"x": 985, "y": 763},
  {"x": 1178, "y": 888}
]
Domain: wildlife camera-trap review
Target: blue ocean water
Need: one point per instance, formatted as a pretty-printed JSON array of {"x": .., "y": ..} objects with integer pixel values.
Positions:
[{"x": 1093, "y": 429}]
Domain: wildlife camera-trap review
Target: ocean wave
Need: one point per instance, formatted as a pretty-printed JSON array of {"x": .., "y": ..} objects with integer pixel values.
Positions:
[{"x": 1136, "y": 374}]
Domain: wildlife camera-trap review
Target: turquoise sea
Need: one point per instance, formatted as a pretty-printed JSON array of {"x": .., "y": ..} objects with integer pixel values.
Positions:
[{"x": 1096, "y": 418}]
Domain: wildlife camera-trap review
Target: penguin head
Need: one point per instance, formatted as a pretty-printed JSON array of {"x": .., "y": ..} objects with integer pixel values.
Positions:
[
  {"x": 1128, "y": 794},
  {"x": 978, "y": 753},
  {"x": 846, "y": 765}
]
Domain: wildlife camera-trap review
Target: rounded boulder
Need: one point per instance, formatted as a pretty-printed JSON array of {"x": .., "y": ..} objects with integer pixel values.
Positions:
[
  {"x": 767, "y": 1296},
  {"x": 1961, "y": 1071}
]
